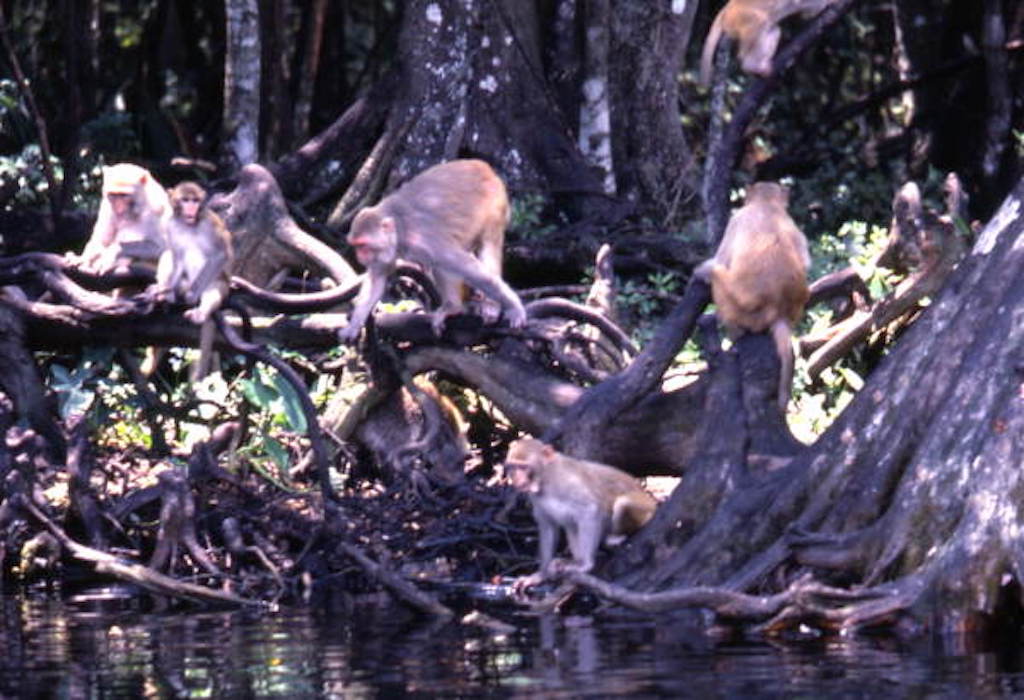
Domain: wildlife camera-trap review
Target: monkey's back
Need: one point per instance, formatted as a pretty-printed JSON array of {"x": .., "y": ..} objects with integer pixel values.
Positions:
[
  {"x": 461, "y": 199},
  {"x": 767, "y": 279},
  {"x": 601, "y": 482}
]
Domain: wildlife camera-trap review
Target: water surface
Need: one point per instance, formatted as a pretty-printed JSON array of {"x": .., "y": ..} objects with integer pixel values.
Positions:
[{"x": 104, "y": 644}]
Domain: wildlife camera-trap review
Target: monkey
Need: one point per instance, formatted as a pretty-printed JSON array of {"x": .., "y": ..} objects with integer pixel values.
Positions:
[
  {"x": 754, "y": 24},
  {"x": 130, "y": 224},
  {"x": 758, "y": 275},
  {"x": 195, "y": 267},
  {"x": 591, "y": 502},
  {"x": 451, "y": 219}
]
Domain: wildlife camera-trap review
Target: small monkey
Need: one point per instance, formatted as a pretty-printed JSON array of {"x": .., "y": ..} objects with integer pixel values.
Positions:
[
  {"x": 758, "y": 275},
  {"x": 451, "y": 219},
  {"x": 754, "y": 24},
  {"x": 591, "y": 502},
  {"x": 130, "y": 224},
  {"x": 195, "y": 267}
]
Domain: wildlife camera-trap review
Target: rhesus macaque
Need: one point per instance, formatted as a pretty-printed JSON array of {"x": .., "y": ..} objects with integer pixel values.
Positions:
[
  {"x": 591, "y": 502},
  {"x": 195, "y": 268},
  {"x": 130, "y": 223},
  {"x": 754, "y": 24},
  {"x": 758, "y": 275},
  {"x": 451, "y": 219}
]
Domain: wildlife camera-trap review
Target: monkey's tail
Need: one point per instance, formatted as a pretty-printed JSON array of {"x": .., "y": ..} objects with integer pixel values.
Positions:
[
  {"x": 707, "y": 56},
  {"x": 782, "y": 334}
]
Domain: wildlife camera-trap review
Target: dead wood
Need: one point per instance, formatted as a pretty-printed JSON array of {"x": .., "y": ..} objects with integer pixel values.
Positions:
[
  {"x": 143, "y": 576},
  {"x": 924, "y": 246},
  {"x": 266, "y": 238},
  {"x": 20, "y": 380}
]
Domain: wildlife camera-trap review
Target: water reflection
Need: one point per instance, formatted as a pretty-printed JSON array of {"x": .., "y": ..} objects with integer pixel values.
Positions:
[{"x": 106, "y": 644}]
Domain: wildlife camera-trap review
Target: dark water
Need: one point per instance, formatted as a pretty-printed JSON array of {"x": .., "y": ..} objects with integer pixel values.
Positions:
[{"x": 89, "y": 647}]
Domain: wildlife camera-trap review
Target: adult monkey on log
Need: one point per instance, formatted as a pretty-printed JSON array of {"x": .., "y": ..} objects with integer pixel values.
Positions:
[
  {"x": 451, "y": 219},
  {"x": 591, "y": 502},
  {"x": 130, "y": 224}
]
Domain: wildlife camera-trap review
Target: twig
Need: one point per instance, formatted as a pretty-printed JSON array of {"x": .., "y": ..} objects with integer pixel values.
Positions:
[{"x": 132, "y": 572}]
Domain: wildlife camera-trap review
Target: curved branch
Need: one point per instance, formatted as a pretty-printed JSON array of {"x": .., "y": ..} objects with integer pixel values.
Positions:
[
  {"x": 314, "y": 431},
  {"x": 563, "y": 308},
  {"x": 594, "y": 411},
  {"x": 729, "y": 148}
]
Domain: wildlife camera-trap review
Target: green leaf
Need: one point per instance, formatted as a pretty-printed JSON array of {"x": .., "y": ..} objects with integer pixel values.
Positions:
[
  {"x": 258, "y": 393},
  {"x": 291, "y": 404},
  {"x": 278, "y": 453}
]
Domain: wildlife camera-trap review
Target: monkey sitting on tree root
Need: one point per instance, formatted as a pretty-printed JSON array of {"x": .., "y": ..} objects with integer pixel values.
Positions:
[
  {"x": 591, "y": 502},
  {"x": 195, "y": 269},
  {"x": 130, "y": 224},
  {"x": 758, "y": 275}
]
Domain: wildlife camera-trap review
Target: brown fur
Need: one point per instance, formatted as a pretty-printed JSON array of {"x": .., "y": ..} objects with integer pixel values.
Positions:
[
  {"x": 754, "y": 25},
  {"x": 758, "y": 276},
  {"x": 451, "y": 219},
  {"x": 591, "y": 502}
]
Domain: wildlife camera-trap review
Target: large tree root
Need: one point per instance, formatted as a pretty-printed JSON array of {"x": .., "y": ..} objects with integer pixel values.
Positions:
[{"x": 805, "y": 601}]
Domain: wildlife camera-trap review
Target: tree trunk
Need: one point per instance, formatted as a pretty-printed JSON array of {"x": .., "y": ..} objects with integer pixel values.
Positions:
[
  {"x": 653, "y": 162},
  {"x": 277, "y": 118},
  {"x": 308, "y": 69},
  {"x": 469, "y": 85},
  {"x": 242, "y": 84},
  {"x": 595, "y": 110}
]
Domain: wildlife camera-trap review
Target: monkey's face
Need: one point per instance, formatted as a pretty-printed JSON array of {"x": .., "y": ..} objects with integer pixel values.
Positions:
[
  {"x": 121, "y": 203},
  {"x": 187, "y": 208},
  {"x": 366, "y": 252},
  {"x": 373, "y": 238},
  {"x": 525, "y": 457},
  {"x": 520, "y": 475}
]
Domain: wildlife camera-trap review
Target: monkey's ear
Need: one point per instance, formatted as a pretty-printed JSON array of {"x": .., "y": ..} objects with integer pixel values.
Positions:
[
  {"x": 387, "y": 224},
  {"x": 547, "y": 452}
]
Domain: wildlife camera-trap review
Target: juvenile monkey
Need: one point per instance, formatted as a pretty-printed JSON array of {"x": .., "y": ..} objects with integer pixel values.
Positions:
[
  {"x": 129, "y": 225},
  {"x": 754, "y": 24},
  {"x": 451, "y": 219},
  {"x": 758, "y": 275},
  {"x": 591, "y": 502},
  {"x": 195, "y": 267}
]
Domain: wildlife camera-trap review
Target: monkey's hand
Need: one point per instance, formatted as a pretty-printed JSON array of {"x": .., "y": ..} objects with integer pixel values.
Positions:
[
  {"x": 196, "y": 316},
  {"x": 524, "y": 583},
  {"x": 349, "y": 334},
  {"x": 437, "y": 321},
  {"x": 157, "y": 293},
  {"x": 516, "y": 316},
  {"x": 703, "y": 271}
]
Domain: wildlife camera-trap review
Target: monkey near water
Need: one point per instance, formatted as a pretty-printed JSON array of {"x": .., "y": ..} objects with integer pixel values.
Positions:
[
  {"x": 130, "y": 224},
  {"x": 451, "y": 219},
  {"x": 591, "y": 502},
  {"x": 195, "y": 268},
  {"x": 758, "y": 275},
  {"x": 754, "y": 25}
]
